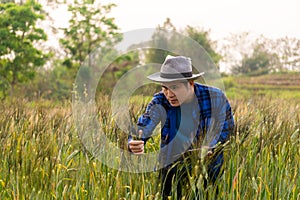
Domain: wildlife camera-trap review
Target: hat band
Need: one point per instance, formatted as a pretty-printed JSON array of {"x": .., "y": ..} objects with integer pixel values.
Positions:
[{"x": 177, "y": 75}]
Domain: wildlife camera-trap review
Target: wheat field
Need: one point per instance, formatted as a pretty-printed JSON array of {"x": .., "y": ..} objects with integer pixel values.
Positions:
[{"x": 42, "y": 156}]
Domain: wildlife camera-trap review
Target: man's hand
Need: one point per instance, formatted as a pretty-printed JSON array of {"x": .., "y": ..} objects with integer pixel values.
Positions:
[{"x": 137, "y": 146}]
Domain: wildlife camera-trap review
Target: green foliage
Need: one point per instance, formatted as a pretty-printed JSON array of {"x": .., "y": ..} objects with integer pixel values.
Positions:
[
  {"x": 260, "y": 62},
  {"x": 202, "y": 37},
  {"x": 257, "y": 64},
  {"x": 166, "y": 41},
  {"x": 89, "y": 28},
  {"x": 91, "y": 36},
  {"x": 160, "y": 38},
  {"x": 55, "y": 84},
  {"x": 18, "y": 34},
  {"x": 228, "y": 82},
  {"x": 119, "y": 66}
]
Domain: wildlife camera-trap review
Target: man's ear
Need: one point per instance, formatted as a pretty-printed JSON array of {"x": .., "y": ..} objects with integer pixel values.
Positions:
[{"x": 191, "y": 82}]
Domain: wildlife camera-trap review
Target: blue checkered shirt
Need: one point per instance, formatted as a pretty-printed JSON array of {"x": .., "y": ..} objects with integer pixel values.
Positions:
[{"x": 209, "y": 117}]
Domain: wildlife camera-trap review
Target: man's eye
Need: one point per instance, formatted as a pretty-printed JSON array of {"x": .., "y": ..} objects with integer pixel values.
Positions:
[{"x": 173, "y": 87}]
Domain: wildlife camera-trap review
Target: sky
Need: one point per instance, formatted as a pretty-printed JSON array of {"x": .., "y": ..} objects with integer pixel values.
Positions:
[{"x": 272, "y": 18}]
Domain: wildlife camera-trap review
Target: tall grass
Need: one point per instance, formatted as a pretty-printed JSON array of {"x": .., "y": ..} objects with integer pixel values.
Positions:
[
  {"x": 262, "y": 162},
  {"x": 43, "y": 158}
]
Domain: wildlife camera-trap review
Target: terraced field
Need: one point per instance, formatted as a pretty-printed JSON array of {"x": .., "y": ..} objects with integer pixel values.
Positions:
[{"x": 273, "y": 85}]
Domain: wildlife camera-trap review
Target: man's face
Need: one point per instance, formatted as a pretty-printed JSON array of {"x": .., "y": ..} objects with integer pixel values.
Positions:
[{"x": 177, "y": 92}]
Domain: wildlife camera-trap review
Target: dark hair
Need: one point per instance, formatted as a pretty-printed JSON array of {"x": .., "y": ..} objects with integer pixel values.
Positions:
[{"x": 188, "y": 81}]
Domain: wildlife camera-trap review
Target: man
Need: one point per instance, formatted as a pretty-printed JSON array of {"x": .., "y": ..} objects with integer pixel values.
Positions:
[{"x": 192, "y": 116}]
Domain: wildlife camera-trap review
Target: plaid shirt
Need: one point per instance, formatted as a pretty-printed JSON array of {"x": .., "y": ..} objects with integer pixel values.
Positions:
[{"x": 211, "y": 118}]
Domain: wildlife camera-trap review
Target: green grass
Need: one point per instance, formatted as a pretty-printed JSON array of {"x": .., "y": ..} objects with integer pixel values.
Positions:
[{"x": 43, "y": 158}]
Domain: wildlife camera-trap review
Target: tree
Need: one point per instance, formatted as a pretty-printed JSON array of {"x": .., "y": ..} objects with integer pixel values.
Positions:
[
  {"x": 288, "y": 50},
  {"x": 165, "y": 41},
  {"x": 90, "y": 34},
  {"x": 251, "y": 54},
  {"x": 160, "y": 38},
  {"x": 260, "y": 62},
  {"x": 19, "y": 57},
  {"x": 234, "y": 48},
  {"x": 90, "y": 28},
  {"x": 202, "y": 37}
]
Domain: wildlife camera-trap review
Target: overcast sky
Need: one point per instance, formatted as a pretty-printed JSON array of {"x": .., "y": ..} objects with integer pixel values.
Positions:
[{"x": 272, "y": 18}]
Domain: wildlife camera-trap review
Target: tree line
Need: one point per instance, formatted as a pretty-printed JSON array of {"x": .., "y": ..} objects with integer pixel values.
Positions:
[{"x": 30, "y": 69}]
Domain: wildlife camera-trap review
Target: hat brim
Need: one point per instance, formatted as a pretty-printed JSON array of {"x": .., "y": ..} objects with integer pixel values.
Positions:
[{"x": 157, "y": 78}]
